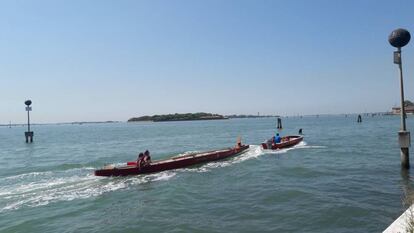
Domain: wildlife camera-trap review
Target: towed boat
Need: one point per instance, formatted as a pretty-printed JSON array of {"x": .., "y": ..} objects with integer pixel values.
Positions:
[
  {"x": 172, "y": 163},
  {"x": 286, "y": 142}
]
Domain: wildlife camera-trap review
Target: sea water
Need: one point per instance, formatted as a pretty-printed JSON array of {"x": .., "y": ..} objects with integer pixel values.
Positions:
[{"x": 344, "y": 177}]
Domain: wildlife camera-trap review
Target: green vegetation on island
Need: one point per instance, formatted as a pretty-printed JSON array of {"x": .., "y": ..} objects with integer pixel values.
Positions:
[
  {"x": 408, "y": 103},
  {"x": 179, "y": 117}
]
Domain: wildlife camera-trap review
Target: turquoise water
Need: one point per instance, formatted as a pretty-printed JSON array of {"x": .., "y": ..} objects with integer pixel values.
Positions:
[{"x": 344, "y": 177}]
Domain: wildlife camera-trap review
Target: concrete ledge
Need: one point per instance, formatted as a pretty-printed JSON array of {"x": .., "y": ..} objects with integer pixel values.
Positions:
[{"x": 401, "y": 224}]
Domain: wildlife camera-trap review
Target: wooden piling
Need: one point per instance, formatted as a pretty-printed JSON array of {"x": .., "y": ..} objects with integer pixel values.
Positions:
[{"x": 279, "y": 123}]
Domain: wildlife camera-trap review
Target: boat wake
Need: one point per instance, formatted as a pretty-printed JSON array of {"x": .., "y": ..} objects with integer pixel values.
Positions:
[
  {"x": 300, "y": 145},
  {"x": 42, "y": 188},
  {"x": 253, "y": 152}
]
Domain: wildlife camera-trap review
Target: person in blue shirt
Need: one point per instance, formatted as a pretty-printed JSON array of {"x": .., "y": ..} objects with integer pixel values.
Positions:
[{"x": 278, "y": 139}]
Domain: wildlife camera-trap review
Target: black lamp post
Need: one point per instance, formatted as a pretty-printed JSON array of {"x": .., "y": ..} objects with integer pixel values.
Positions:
[
  {"x": 28, "y": 134},
  {"x": 400, "y": 38}
]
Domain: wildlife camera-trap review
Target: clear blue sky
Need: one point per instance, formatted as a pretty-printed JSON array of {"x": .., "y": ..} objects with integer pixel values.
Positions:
[{"x": 112, "y": 60}]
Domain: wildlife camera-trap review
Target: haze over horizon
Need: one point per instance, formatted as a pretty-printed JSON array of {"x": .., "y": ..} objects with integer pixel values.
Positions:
[{"x": 113, "y": 60}]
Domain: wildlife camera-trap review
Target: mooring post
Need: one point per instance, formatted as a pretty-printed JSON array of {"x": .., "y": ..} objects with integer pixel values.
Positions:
[
  {"x": 400, "y": 38},
  {"x": 279, "y": 123},
  {"x": 359, "y": 118},
  {"x": 29, "y": 134}
]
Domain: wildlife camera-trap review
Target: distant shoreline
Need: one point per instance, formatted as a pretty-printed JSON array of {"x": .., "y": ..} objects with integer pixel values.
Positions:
[
  {"x": 62, "y": 123},
  {"x": 179, "y": 117},
  {"x": 252, "y": 116},
  {"x": 213, "y": 118}
]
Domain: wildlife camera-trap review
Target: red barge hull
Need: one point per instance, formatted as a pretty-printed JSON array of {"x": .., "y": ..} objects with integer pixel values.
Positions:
[
  {"x": 287, "y": 142},
  {"x": 171, "y": 163}
]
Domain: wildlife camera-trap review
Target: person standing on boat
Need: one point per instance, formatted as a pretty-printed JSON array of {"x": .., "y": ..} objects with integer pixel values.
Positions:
[{"x": 278, "y": 139}]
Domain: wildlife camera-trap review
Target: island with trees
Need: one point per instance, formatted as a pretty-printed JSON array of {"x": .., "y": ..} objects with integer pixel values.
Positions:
[{"x": 179, "y": 117}]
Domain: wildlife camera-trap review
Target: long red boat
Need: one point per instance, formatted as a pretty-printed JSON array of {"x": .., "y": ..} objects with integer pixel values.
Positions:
[
  {"x": 172, "y": 163},
  {"x": 286, "y": 142}
]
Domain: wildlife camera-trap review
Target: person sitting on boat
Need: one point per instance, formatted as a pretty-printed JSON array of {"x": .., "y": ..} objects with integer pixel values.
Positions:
[
  {"x": 140, "y": 156},
  {"x": 271, "y": 142},
  {"x": 147, "y": 158},
  {"x": 278, "y": 139},
  {"x": 285, "y": 139},
  {"x": 140, "y": 159}
]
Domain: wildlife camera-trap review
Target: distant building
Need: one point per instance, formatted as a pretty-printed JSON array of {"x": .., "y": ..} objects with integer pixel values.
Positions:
[{"x": 409, "y": 108}]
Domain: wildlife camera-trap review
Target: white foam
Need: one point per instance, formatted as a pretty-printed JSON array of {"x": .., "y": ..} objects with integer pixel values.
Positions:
[
  {"x": 162, "y": 176},
  {"x": 300, "y": 145},
  {"x": 26, "y": 175},
  {"x": 67, "y": 186},
  {"x": 253, "y": 152}
]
